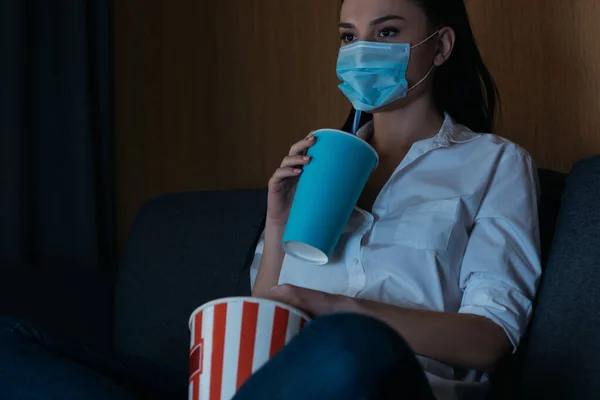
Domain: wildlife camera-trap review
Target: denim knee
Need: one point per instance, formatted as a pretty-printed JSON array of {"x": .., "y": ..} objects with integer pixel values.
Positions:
[
  {"x": 8, "y": 325},
  {"x": 7, "y": 322},
  {"x": 340, "y": 357},
  {"x": 11, "y": 326},
  {"x": 364, "y": 341},
  {"x": 370, "y": 354}
]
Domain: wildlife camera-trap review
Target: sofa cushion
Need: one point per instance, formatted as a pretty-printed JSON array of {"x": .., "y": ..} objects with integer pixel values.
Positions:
[
  {"x": 562, "y": 359},
  {"x": 184, "y": 250}
]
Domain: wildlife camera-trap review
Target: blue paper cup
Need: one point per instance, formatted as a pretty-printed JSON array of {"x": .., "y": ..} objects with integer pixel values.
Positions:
[{"x": 327, "y": 192}]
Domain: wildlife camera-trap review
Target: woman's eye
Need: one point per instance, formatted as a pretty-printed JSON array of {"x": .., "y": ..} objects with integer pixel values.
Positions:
[
  {"x": 347, "y": 37},
  {"x": 387, "y": 33}
]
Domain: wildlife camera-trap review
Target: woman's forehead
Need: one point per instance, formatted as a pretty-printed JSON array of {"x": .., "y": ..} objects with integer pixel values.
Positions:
[{"x": 369, "y": 10}]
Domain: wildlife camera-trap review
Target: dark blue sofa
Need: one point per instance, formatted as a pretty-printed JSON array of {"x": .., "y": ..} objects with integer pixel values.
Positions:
[
  {"x": 191, "y": 248},
  {"x": 187, "y": 249}
]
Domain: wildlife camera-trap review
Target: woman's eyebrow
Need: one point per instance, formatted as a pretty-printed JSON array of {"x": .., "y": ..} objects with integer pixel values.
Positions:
[
  {"x": 377, "y": 21},
  {"x": 386, "y": 19}
]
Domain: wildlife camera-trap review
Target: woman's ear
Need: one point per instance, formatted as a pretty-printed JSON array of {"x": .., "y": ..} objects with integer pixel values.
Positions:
[{"x": 445, "y": 45}]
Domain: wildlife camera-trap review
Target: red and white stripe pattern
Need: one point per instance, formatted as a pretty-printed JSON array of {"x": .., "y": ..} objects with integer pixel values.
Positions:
[{"x": 231, "y": 340}]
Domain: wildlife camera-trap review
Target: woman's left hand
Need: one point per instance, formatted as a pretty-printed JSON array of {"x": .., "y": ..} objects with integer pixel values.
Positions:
[
  {"x": 311, "y": 302},
  {"x": 465, "y": 340}
]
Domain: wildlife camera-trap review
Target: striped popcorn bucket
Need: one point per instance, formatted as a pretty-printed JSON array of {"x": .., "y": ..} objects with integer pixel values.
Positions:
[{"x": 231, "y": 338}]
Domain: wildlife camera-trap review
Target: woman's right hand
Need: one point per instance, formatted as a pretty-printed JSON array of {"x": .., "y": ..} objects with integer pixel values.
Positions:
[{"x": 282, "y": 185}]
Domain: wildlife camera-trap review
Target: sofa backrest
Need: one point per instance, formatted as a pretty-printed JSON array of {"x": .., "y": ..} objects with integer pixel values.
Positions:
[
  {"x": 184, "y": 250},
  {"x": 187, "y": 249}
]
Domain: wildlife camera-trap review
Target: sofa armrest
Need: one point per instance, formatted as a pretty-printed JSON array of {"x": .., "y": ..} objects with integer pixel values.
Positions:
[{"x": 562, "y": 359}]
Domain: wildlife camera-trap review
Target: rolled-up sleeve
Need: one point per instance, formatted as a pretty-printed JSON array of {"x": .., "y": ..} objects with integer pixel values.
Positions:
[{"x": 501, "y": 267}]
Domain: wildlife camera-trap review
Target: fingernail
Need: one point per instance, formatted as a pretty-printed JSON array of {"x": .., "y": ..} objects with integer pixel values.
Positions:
[
  {"x": 306, "y": 158},
  {"x": 298, "y": 171},
  {"x": 311, "y": 138}
]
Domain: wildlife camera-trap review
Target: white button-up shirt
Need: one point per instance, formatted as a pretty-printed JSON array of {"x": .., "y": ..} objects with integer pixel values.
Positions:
[{"x": 455, "y": 229}]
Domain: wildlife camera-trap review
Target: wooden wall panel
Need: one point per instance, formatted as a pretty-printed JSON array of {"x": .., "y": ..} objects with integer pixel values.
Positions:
[
  {"x": 211, "y": 94},
  {"x": 275, "y": 82},
  {"x": 545, "y": 57},
  {"x": 163, "y": 65}
]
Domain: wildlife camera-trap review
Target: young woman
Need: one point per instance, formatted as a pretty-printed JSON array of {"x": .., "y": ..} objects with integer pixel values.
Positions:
[{"x": 441, "y": 255}]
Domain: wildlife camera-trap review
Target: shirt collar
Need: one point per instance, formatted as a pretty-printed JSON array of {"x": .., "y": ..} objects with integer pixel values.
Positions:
[{"x": 449, "y": 134}]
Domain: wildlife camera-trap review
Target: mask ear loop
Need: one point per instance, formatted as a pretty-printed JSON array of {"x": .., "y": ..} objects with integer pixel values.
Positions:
[
  {"x": 422, "y": 80},
  {"x": 432, "y": 67},
  {"x": 427, "y": 39}
]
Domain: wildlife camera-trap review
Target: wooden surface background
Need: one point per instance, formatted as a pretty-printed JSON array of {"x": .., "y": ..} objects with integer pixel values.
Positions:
[{"x": 209, "y": 95}]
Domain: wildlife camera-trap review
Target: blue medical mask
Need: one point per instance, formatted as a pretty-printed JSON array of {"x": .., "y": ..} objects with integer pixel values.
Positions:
[{"x": 373, "y": 74}]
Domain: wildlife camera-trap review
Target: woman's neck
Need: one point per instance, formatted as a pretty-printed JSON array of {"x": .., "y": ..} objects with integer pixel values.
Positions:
[{"x": 399, "y": 129}]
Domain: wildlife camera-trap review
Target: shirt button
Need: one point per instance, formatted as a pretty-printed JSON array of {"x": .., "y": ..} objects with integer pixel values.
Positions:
[{"x": 356, "y": 261}]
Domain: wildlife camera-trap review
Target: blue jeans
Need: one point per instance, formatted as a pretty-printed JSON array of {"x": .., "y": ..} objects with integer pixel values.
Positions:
[
  {"x": 341, "y": 357},
  {"x": 35, "y": 365},
  {"x": 338, "y": 357}
]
